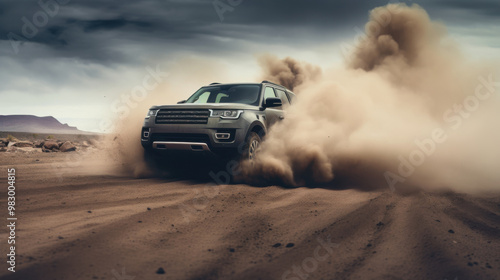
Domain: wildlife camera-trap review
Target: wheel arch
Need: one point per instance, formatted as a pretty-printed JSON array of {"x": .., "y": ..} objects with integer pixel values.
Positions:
[{"x": 258, "y": 128}]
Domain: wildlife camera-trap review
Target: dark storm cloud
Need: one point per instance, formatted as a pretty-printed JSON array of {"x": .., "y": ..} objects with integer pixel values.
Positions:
[
  {"x": 106, "y": 31},
  {"x": 79, "y": 27}
]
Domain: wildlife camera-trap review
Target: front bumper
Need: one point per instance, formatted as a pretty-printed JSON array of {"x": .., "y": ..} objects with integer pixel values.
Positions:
[
  {"x": 181, "y": 146},
  {"x": 195, "y": 137}
]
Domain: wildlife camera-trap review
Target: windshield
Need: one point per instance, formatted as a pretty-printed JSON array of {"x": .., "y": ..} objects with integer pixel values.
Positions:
[{"x": 244, "y": 94}]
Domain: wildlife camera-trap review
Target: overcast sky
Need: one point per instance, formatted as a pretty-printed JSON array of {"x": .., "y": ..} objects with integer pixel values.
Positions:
[{"x": 70, "y": 59}]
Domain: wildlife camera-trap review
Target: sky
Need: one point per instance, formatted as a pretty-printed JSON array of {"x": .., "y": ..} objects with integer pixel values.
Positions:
[{"x": 70, "y": 59}]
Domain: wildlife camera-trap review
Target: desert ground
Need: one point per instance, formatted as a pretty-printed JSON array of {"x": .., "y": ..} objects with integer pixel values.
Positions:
[{"x": 76, "y": 222}]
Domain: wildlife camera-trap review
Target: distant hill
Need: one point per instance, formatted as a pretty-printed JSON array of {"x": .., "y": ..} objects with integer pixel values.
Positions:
[{"x": 34, "y": 124}]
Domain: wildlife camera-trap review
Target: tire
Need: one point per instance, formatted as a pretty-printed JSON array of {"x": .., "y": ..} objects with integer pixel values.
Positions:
[{"x": 252, "y": 145}]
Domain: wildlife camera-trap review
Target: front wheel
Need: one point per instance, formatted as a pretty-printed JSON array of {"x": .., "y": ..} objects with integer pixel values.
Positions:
[{"x": 252, "y": 146}]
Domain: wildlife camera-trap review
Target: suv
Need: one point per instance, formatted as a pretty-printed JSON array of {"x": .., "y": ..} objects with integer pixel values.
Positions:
[{"x": 222, "y": 119}]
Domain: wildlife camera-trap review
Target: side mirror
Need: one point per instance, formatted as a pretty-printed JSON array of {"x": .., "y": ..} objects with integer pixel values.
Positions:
[
  {"x": 272, "y": 102},
  {"x": 182, "y": 101}
]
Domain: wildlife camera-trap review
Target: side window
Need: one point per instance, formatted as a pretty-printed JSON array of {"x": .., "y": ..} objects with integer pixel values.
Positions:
[
  {"x": 283, "y": 97},
  {"x": 202, "y": 98},
  {"x": 269, "y": 93}
]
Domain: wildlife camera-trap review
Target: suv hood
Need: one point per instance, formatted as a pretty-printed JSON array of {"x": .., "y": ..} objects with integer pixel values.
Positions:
[{"x": 214, "y": 106}]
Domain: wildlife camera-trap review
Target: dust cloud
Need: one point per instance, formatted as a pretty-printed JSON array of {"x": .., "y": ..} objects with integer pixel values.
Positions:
[
  {"x": 288, "y": 71},
  {"x": 407, "y": 110}
]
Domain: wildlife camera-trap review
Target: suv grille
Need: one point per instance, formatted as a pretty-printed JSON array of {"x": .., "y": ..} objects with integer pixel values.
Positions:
[{"x": 182, "y": 116}]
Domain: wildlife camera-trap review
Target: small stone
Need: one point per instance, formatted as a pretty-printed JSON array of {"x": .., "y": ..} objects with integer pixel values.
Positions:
[
  {"x": 290, "y": 245},
  {"x": 160, "y": 271},
  {"x": 451, "y": 231},
  {"x": 231, "y": 250},
  {"x": 277, "y": 245},
  {"x": 149, "y": 209}
]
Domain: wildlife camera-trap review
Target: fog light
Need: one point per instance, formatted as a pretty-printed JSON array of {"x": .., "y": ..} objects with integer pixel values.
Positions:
[{"x": 222, "y": 136}]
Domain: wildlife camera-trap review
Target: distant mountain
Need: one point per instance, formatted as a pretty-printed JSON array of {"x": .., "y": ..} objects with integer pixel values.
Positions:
[{"x": 34, "y": 124}]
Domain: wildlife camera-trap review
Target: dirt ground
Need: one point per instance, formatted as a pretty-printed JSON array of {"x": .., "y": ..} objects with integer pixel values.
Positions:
[{"x": 73, "y": 224}]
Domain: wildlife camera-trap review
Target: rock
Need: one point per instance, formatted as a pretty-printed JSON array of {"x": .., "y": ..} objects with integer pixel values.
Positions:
[
  {"x": 38, "y": 144},
  {"x": 160, "y": 271},
  {"x": 67, "y": 147},
  {"x": 451, "y": 231},
  {"x": 290, "y": 245},
  {"x": 11, "y": 144},
  {"x": 3, "y": 149},
  {"x": 85, "y": 144},
  {"x": 22, "y": 144},
  {"x": 277, "y": 245},
  {"x": 50, "y": 145},
  {"x": 2, "y": 145}
]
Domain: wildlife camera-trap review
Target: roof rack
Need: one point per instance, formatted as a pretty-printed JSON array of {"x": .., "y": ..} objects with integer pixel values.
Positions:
[
  {"x": 214, "y": 84},
  {"x": 268, "y": 82}
]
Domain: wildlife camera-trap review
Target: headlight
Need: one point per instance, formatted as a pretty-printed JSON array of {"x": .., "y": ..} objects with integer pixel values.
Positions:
[
  {"x": 226, "y": 114},
  {"x": 151, "y": 113}
]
